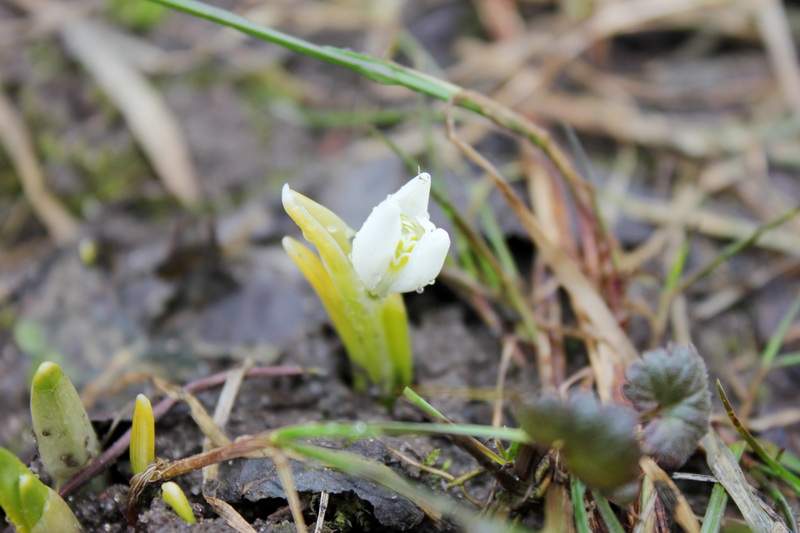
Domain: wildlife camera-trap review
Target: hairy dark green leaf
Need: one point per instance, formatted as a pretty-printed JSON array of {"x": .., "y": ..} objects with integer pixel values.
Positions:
[
  {"x": 596, "y": 442},
  {"x": 670, "y": 385}
]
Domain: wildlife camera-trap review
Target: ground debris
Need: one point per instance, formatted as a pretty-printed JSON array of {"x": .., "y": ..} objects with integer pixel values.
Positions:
[{"x": 257, "y": 479}]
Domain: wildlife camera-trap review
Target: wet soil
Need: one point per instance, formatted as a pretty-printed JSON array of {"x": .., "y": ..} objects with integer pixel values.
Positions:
[{"x": 182, "y": 294}]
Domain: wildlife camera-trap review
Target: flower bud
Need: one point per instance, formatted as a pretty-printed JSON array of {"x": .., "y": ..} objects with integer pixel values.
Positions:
[{"x": 398, "y": 249}]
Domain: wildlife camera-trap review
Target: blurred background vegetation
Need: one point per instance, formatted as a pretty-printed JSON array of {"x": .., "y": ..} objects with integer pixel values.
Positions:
[{"x": 143, "y": 152}]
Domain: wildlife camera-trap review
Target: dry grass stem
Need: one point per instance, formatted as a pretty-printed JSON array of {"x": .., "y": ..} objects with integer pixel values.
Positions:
[
  {"x": 706, "y": 222},
  {"x": 777, "y": 36},
  {"x": 61, "y": 225},
  {"x": 150, "y": 120},
  {"x": 284, "y": 469},
  {"x": 726, "y": 469},
  {"x": 670, "y": 496},
  {"x": 614, "y": 350},
  {"x": 223, "y": 410},
  {"x": 509, "y": 346},
  {"x": 229, "y": 514},
  {"x": 199, "y": 414},
  {"x": 120, "y": 446},
  {"x": 324, "y": 497}
]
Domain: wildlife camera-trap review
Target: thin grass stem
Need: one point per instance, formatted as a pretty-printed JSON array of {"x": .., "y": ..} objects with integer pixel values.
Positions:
[
  {"x": 792, "y": 480},
  {"x": 733, "y": 249}
]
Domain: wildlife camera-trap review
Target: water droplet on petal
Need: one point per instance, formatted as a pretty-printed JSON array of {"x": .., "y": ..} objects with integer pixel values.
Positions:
[{"x": 420, "y": 289}]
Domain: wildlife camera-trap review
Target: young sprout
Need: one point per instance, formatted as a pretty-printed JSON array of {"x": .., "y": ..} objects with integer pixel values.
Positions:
[
  {"x": 397, "y": 250},
  {"x": 64, "y": 435},
  {"x": 143, "y": 435},
  {"x": 143, "y": 452},
  {"x": 29, "y": 504},
  {"x": 175, "y": 498}
]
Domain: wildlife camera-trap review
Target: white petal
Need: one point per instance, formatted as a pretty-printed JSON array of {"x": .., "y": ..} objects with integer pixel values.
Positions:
[
  {"x": 424, "y": 264},
  {"x": 413, "y": 197},
  {"x": 375, "y": 243},
  {"x": 287, "y": 196}
]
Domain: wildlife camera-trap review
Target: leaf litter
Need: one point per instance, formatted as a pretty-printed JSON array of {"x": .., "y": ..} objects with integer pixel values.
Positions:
[{"x": 94, "y": 315}]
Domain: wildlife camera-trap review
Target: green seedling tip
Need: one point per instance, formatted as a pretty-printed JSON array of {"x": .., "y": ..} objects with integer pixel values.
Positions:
[
  {"x": 64, "y": 435},
  {"x": 173, "y": 495},
  {"x": 47, "y": 376},
  {"x": 11, "y": 470},
  {"x": 33, "y": 496},
  {"x": 28, "y": 503},
  {"x": 56, "y": 515},
  {"x": 143, "y": 435}
]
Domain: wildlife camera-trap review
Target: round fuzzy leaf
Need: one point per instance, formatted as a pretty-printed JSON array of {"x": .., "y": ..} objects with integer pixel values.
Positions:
[
  {"x": 596, "y": 442},
  {"x": 671, "y": 385}
]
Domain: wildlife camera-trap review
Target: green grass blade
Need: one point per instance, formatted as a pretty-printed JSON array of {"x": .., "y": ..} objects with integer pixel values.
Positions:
[
  {"x": 498, "y": 240},
  {"x": 433, "y": 504},
  {"x": 790, "y": 461},
  {"x": 604, "y": 508},
  {"x": 786, "y": 360},
  {"x": 360, "y": 430},
  {"x": 577, "y": 490},
  {"x": 788, "y": 477},
  {"x": 423, "y": 404},
  {"x": 777, "y": 496},
  {"x": 676, "y": 269},
  {"x": 734, "y": 248},
  {"x": 376, "y": 70},
  {"x": 776, "y": 340}
]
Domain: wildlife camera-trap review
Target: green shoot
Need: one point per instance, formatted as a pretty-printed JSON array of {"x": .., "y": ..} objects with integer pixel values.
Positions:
[
  {"x": 173, "y": 495},
  {"x": 28, "y": 503},
  {"x": 143, "y": 435},
  {"x": 64, "y": 435}
]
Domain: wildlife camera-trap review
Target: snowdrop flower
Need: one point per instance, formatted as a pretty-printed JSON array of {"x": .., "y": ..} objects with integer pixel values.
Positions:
[
  {"x": 359, "y": 279},
  {"x": 398, "y": 249}
]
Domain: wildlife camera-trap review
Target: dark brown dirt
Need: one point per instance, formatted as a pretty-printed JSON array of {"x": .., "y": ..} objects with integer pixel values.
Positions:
[{"x": 182, "y": 294}]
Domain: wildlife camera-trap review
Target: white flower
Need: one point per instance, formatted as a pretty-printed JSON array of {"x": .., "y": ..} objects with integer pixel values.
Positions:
[{"x": 398, "y": 249}]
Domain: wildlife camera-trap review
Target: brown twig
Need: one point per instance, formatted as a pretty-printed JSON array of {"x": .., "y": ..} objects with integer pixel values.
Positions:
[{"x": 120, "y": 445}]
